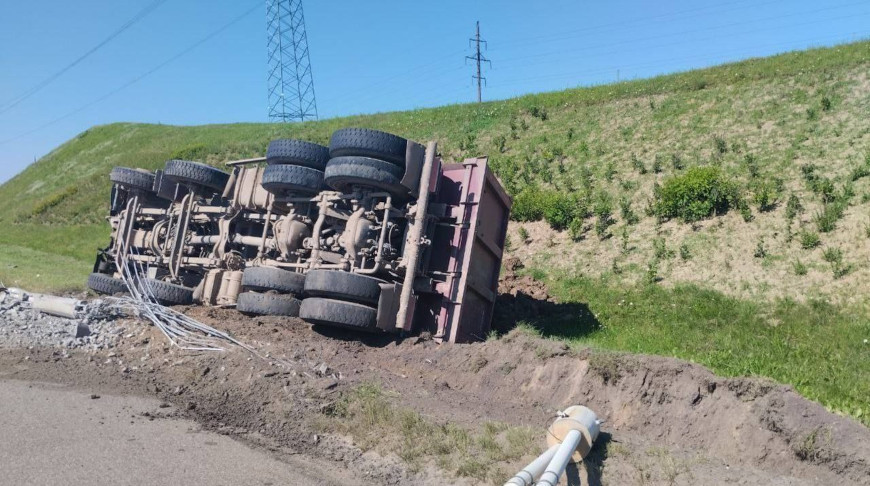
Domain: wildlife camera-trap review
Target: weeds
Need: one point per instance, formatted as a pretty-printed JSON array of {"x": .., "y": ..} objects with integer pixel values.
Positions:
[
  {"x": 809, "y": 240},
  {"x": 637, "y": 164},
  {"x": 524, "y": 234},
  {"x": 760, "y": 249},
  {"x": 685, "y": 255},
  {"x": 800, "y": 268},
  {"x": 627, "y": 213},
  {"x": 660, "y": 249},
  {"x": 793, "y": 207}
]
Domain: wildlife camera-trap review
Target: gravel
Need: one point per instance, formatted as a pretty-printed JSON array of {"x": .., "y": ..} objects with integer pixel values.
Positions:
[{"x": 97, "y": 327}]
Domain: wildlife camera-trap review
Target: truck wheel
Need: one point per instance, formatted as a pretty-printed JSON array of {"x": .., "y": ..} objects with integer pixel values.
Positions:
[
  {"x": 168, "y": 293},
  {"x": 338, "y": 313},
  {"x": 262, "y": 279},
  {"x": 343, "y": 173},
  {"x": 132, "y": 178},
  {"x": 297, "y": 152},
  {"x": 267, "y": 304},
  {"x": 287, "y": 179},
  {"x": 105, "y": 284},
  {"x": 187, "y": 172},
  {"x": 368, "y": 143},
  {"x": 335, "y": 284}
]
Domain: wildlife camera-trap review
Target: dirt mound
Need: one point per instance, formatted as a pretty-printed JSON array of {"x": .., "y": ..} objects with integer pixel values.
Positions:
[{"x": 668, "y": 421}]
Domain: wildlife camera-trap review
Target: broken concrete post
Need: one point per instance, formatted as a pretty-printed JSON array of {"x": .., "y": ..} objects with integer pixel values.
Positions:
[{"x": 56, "y": 306}]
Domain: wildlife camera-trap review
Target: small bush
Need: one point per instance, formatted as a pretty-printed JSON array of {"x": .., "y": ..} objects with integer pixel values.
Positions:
[
  {"x": 699, "y": 193},
  {"x": 684, "y": 252},
  {"x": 793, "y": 207},
  {"x": 575, "y": 229},
  {"x": 628, "y": 214},
  {"x": 603, "y": 211},
  {"x": 826, "y": 218},
  {"x": 859, "y": 172},
  {"x": 609, "y": 171},
  {"x": 657, "y": 164},
  {"x": 557, "y": 208},
  {"x": 660, "y": 249},
  {"x": 766, "y": 193},
  {"x": 799, "y": 268},
  {"x": 834, "y": 256},
  {"x": 652, "y": 272},
  {"x": 745, "y": 212},
  {"x": 625, "y": 241},
  {"x": 637, "y": 164},
  {"x": 760, "y": 250},
  {"x": 500, "y": 142},
  {"x": 524, "y": 234},
  {"x": 826, "y": 103},
  {"x": 809, "y": 240},
  {"x": 751, "y": 162},
  {"x": 812, "y": 114},
  {"x": 720, "y": 145},
  {"x": 677, "y": 162}
]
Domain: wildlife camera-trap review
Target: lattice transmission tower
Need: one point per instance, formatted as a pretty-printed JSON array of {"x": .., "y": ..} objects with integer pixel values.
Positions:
[{"x": 290, "y": 82}]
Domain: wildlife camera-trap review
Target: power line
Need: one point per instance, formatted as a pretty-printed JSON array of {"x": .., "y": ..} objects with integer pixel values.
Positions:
[
  {"x": 35, "y": 89},
  {"x": 140, "y": 77},
  {"x": 476, "y": 41}
]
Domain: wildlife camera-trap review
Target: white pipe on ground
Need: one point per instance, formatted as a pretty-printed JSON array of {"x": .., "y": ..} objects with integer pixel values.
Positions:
[
  {"x": 560, "y": 460},
  {"x": 533, "y": 471}
]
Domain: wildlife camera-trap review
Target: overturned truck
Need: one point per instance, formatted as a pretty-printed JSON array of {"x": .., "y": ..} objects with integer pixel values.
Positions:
[{"x": 373, "y": 233}]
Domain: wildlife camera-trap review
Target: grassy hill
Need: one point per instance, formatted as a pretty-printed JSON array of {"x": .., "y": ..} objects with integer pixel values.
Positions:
[{"x": 769, "y": 277}]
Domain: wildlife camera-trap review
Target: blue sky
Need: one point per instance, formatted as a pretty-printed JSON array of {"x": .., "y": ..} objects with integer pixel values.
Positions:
[{"x": 366, "y": 56}]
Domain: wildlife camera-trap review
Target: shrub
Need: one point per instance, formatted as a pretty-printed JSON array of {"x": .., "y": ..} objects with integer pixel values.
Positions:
[
  {"x": 812, "y": 114},
  {"x": 637, "y": 164},
  {"x": 799, "y": 268},
  {"x": 760, "y": 250},
  {"x": 793, "y": 207},
  {"x": 826, "y": 103},
  {"x": 500, "y": 142},
  {"x": 860, "y": 172},
  {"x": 657, "y": 164},
  {"x": 752, "y": 167},
  {"x": 524, "y": 234},
  {"x": 575, "y": 229},
  {"x": 652, "y": 272},
  {"x": 684, "y": 252},
  {"x": 826, "y": 218},
  {"x": 697, "y": 194},
  {"x": 557, "y": 208},
  {"x": 766, "y": 193},
  {"x": 809, "y": 240},
  {"x": 660, "y": 249},
  {"x": 720, "y": 145},
  {"x": 677, "y": 162},
  {"x": 628, "y": 214},
  {"x": 609, "y": 171},
  {"x": 603, "y": 211},
  {"x": 834, "y": 256}
]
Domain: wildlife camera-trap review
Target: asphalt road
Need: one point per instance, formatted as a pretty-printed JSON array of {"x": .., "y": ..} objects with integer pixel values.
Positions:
[{"x": 51, "y": 435}]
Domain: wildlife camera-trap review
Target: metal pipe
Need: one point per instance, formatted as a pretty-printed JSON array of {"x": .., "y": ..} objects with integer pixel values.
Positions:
[
  {"x": 560, "y": 460},
  {"x": 533, "y": 471},
  {"x": 415, "y": 235}
]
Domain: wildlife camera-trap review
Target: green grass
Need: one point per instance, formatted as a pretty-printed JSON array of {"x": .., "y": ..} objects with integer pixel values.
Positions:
[
  {"x": 32, "y": 269},
  {"x": 817, "y": 347}
]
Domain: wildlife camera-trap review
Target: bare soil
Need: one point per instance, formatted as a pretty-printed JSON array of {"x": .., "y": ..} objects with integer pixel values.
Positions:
[{"x": 667, "y": 421}]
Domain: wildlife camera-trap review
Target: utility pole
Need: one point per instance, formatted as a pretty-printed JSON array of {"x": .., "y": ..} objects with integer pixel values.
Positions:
[{"x": 478, "y": 58}]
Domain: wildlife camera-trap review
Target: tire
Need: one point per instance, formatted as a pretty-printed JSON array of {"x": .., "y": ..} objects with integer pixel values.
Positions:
[
  {"x": 187, "y": 172},
  {"x": 343, "y": 173},
  {"x": 288, "y": 179},
  {"x": 297, "y": 152},
  {"x": 132, "y": 178},
  {"x": 262, "y": 279},
  {"x": 168, "y": 293},
  {"x": 267, "y": 304},
  {"x": 368, "y": 143},
  {"x": 335, "y": 284},
  {"x": 105, "y": 284},
  {"x": 338, "y": 313}
]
